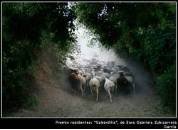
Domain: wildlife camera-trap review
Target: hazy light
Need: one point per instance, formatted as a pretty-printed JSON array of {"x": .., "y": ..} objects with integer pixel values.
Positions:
[{"x": 90, "y": 52}]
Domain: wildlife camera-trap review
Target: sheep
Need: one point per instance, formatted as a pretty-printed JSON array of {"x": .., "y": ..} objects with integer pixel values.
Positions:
[
  {"x": 114, "y": 78},
  {"x": 88, "y": 77},
  {"x": 131, "y": 79},
  {"x": 83, "y": 81},
  {"x": 125, "y": 69},
  {"x": 101, "y": 79},
  {"x": 84, "y": 77},
  {"x": 106, "y": 75},
  {"x": 126, "y": 79},
  {"x": 87, "y": 87},
  {"x": 74, "y": 80},
  {"x": 73, "y": 70},
  {"x": 109, "y": 86},
  {"x": 94, "y": 86},
  {"x": 77, "y": 81}
]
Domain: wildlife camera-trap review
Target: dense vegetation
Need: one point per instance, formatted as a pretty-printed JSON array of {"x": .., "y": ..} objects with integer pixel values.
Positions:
[
  {"x": 25, "y": 26},
  {"x": 146, "y": 32}
]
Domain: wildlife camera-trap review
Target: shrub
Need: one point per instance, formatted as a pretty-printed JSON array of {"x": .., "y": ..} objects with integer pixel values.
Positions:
[{"x": 166, "y": 86}]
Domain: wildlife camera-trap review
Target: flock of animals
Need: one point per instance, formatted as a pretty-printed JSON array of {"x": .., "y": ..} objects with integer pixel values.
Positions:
[{"x": 112, "y": 79}]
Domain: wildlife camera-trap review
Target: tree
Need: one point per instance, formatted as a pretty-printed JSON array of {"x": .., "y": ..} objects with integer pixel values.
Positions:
[
  {"x": 23, "y": 26},
  {"x": 146, "y": 31}
]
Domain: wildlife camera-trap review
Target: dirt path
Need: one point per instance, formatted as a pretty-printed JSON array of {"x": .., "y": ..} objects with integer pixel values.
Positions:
[{"x": 56, "y": 100}]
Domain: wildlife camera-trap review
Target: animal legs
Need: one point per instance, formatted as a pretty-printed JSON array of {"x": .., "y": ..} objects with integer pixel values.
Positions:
[
  {"x": 91, "y": 90},
  {"x": 110, "y": 97},
  {"x": 97, "y": 92},
  {"x": 133, "y": 85},
  {"x": 81, "y": 89}
]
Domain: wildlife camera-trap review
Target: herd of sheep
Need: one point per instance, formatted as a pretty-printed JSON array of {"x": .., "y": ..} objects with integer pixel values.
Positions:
[{"x": 97, "y": 78}]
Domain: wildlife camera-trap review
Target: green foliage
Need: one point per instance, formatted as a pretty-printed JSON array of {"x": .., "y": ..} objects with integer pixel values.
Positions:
[
  {"x": 159, "y": 48},
  {"x": 166, "y": 86},
  {"x": 23, "y": 25},
  {"x": 30, "y": 102},
  {"x": 146, "y": 31}
]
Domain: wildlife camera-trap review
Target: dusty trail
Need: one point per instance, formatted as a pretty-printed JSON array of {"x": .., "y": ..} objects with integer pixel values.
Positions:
[{"x": 56, "y": 100}]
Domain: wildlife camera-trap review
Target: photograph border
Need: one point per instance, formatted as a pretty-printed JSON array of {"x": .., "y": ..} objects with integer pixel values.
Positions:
[{"x": 87, "y": 2}]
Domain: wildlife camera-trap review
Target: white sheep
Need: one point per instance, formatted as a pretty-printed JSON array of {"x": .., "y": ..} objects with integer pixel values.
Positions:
[
  {"x": 114, "y": 78},
  {"x": 88, "y": 77},
  {"x": 94, "y": 86},
  {"x": 109, "y": 86},
  {"x": 101, "y": 78},
  {"x": 83, "y": 82}
]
